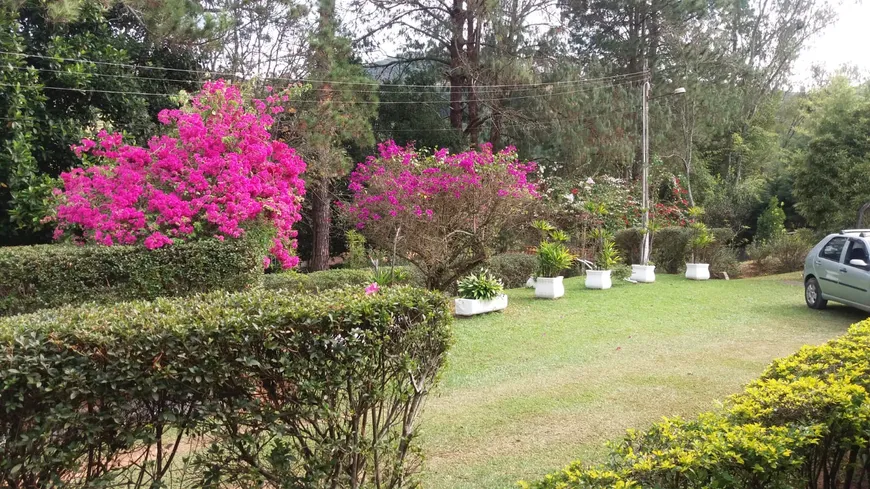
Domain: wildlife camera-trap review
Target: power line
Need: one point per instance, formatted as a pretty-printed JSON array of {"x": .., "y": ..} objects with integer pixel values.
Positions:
[
  {"x": 478, "y": 88},
  {"x": 89, "y": 90},
  {"x": 529, "y": 125},
  {"x": 364, "y": 102},
  {"x": 305, "y": 80}
]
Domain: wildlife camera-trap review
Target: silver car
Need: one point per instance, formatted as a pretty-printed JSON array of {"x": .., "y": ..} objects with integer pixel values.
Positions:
[{"x": 838, "y": 269}]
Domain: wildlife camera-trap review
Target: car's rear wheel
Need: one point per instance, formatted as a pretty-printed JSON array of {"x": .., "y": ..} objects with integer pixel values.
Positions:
[{"x": 813, "y": 294}]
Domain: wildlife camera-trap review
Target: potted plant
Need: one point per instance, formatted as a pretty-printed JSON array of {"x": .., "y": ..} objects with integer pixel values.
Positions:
[
  {"x": 645, "y": 272},
  {"x": 701, "y": 239},
  {"x": 553, "y": 258},
  {"x": 480, "y": 293},
  {"x": 598, "y": 276}
]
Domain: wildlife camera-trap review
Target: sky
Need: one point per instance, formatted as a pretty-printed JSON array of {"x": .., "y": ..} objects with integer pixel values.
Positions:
[{"x": 845, "y": 42}]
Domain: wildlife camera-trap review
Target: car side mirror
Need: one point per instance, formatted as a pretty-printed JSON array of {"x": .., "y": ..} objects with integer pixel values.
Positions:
[{"x": 858, "y": 263}]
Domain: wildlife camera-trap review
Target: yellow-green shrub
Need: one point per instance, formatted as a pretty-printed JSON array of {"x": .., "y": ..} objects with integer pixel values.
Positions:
[{"x": 804, "y": 423}]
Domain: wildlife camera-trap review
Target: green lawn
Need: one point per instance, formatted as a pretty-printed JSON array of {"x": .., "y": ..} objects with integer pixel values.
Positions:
[{"x": 545, "y": 382}]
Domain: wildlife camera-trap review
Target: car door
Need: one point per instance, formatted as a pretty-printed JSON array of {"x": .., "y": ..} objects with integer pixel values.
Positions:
[
  {"x": 828, "y": 264},
  {"x": 855, "y": 281}
]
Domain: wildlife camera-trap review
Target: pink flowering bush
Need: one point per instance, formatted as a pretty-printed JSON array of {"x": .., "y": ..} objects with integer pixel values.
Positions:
[
  {"x": 217, "y": 175},
  {"x": 442, "y": 212}
]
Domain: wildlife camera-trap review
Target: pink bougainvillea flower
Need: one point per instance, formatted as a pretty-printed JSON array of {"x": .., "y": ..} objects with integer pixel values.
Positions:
[
  {"x": 372, "y": 288},
  {"x": 216, "y": 175},
  {"x": 404, "y": 189},
  {"x": 435, "y": 208}
]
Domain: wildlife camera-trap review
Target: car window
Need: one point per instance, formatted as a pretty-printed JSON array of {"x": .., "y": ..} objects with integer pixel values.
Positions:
[
  {"x": 833, "y": 249},
  {"x": 857, "y": 251}
]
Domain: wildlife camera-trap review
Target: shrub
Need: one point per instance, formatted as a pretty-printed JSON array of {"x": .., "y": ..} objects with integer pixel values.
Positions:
[
  {"x": 722, "y": 254},
  {"x": 36, "y": 277},
  {"x": 386, "y": 276},
  {"x": 620, "y": 271},
  {"x": 701, "y": 239},
  {"x": 219, "y": 174},
  {"x": 723, "y": 261},
  {"x": 608, "y": 256},
  {"x": 281, "y": 390},
  {"x": 327, "y": 279},
  {"x": 553, "y": 256},
  {"x": 722, "y": 236},
  {"x": 356, "y": 250},
  {"x": 804, "y": 423},
  {"x": 671, "y": 249},
  {"x": 771, "y": 222},
  {"x": 782, "y": 254},
  {"x": 628, "y": 241},
  {"x": 482, "y": 286},
  {"x": 442, "y": 212},
  {"x": 513, "y": 269}
]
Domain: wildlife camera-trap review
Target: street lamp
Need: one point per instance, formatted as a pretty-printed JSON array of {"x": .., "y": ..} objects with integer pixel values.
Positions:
[{"x": 644, "y": 247}]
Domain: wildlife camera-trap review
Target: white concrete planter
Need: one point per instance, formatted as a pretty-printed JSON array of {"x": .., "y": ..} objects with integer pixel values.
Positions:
[
  {"x": 598, "y": 279},
  {"x": 698, "y": 271},
  {"x": 473, "y": 307},
  {"x": 643, "y": 273},
  {"x": 549, "y": 287}
]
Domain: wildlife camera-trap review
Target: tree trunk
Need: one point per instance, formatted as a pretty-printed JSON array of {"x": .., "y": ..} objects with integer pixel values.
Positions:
[
  {"x": 495, "y": 134},
  {"x": 455, "y": 76},
  {"x": 320, "y": 201},
  {"x": 472, "y": 45},
  {"x": 321, "y": 215}
]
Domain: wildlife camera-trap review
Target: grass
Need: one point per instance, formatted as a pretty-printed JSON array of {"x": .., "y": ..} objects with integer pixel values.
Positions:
[{"x": 546, "y": 382}]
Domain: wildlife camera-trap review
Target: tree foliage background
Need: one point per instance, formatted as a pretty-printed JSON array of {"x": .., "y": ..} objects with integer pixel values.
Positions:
[{"x": 559, "y": 79}]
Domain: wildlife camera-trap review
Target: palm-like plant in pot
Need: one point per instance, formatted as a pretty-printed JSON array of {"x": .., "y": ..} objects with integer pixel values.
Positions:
[
  {"x": 554, "y": 257},
  {"x": 701, "y": 239},
  {"x": 479, "y": 293},
  {"x": 606, "y": 258}
]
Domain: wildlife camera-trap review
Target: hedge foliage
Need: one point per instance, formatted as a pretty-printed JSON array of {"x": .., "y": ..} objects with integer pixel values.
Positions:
[
  {"x": 275, "y": 390},
  {"x": 670, "y": 249},
  {"x": 513, "y": 269},
  {"x": 36, "y": 277},
  {"x": 783, "y": 253},
  {"x": 324, "y": 280},
  {"x": 804, "y": 423}
]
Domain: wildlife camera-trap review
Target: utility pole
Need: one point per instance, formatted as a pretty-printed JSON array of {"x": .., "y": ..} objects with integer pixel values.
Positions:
[{"x": 644, "y": 246}]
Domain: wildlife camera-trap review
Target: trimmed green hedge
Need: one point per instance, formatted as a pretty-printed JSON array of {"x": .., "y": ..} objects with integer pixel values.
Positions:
[
  {"x": 627, "y": 241},
  {"x": 324, "y": 280},
  {"x": 36, "y": 277},
  {"x": 670, "y": 249},
  {"x": 804, "y": 423},
  {"x": 276, "y": 389},
  {"x": 513, "y": 269}
]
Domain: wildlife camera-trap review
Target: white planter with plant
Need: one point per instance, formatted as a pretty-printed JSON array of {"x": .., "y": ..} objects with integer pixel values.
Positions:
[
  {"x": 598, "y": 275},
  {"x": 701, "y": 239},
  {"x": 480, "y": 293},
  {"x": 553, "y": 258},
  {"x": 698, "y": 271},
  {"x": 645, "y": 272},
  {"x": 598, "y": 279},
  {"x": 549, "y": 287}
]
